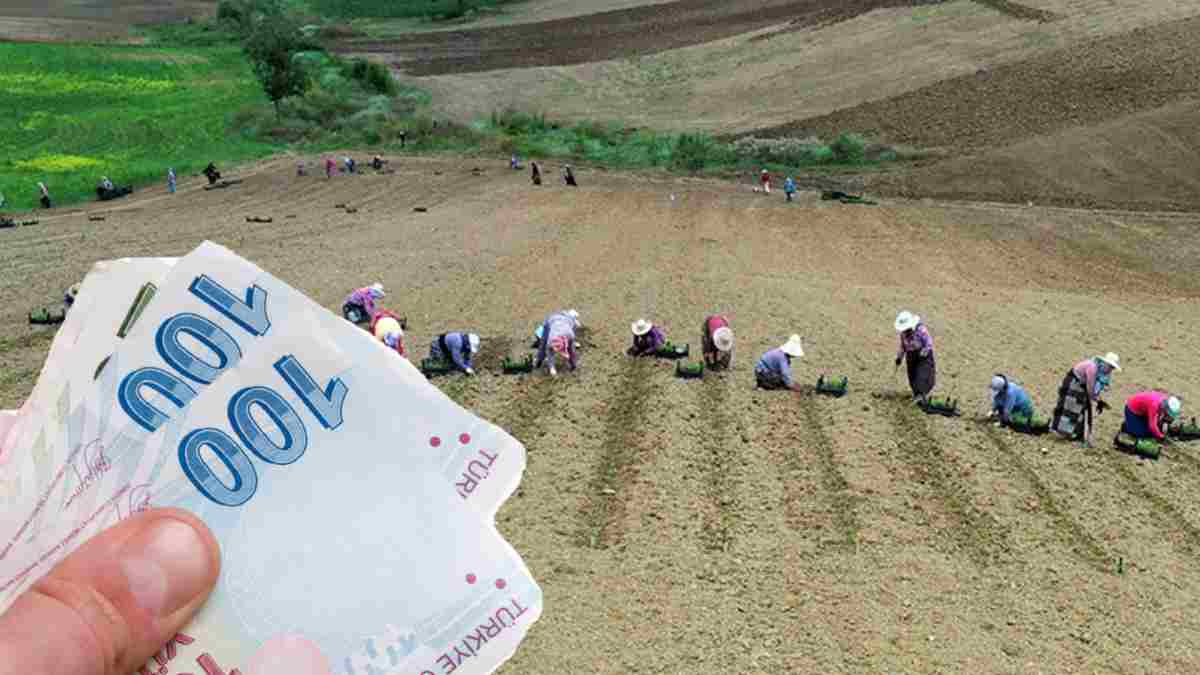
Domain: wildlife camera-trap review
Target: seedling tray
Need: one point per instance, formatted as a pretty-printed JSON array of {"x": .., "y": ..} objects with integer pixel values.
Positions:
[
  {"x": 46, "y": 318},
  {"x": 689, "y": 371},
  {"x": 1034, "y": 426},
  {"x": 1187, "y": 432},
  {"x": 835, "y": 387},
  {"x": 432, "y": 367},
  {"x": 518, "y": 366},
  {"x": 672, "y": 351},
  {"x": 1142, "y": 447},
  {"x": 945, "y": 407}
]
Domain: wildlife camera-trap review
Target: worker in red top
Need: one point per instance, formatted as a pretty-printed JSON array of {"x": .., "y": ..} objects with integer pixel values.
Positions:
[
  {"x": 1148, "y": 413},
  {"x": 765, "y": 179},
  {"x": 716, "y": 341}
]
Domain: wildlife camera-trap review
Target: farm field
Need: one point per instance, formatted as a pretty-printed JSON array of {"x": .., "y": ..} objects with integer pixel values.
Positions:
[
  {"x": 71, "y": 114},
  {"x": 706, "y": 527}
]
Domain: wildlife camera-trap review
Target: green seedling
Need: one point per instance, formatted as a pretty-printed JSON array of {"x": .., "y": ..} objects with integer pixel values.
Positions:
[
  {"x": 1029, "y": 425},
  {"x": 515, "y": 366},
  {"x": 947, "y": 407},
  {"x": 1186, "y": 432},
  {"x": 689, "y": 371},
  {"x": 833, "y": 387},
  {"x": 436, "y": 367},
  {"x": 46, "y": 318},
  {"x": 672, "y": 351},
  {"x": 1142, "y": 447}
]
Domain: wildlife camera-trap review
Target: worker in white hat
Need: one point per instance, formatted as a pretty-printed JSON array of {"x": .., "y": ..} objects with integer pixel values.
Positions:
[
  {"x": 916, "y": 350},
  {"x": 1080, "y": 391},
  {"x": 361, "y": 305},
  {"x": 1149, "y": 413},
  {"x": 716, "y": 341},
  {"x": 774, "y": 369},
  {"x": 647, "y": 338},
  {"x": 557, "y": 340},
  {"x": 457, "y": 348},
  {"x": 389, "y": 329}
]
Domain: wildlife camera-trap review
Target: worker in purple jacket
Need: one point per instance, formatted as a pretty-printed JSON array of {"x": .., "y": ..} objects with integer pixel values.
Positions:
[
  {"x": 458, "y": 348},
  {"x": 916, "y": 348},
  {"x": 558, "y": 341},
  {"x": 647, "y": 338},
  {"x": 360, "y": 306},
  {"x": 774, "y": 369}
]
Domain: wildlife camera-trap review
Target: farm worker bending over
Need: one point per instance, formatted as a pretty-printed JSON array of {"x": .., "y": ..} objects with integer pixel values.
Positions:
[
  {"x": 45, "y": 195},
  {"x": 1008, "y": 398},
  {"x": 789, "y": 187},
  {"x": 916, "y": 348},
  {"x": 716, "y": 342},
  {"x": 647, "y": 338},
  {"x": 360, "y": 305},
  {"x": 558, "y": 340},
  {"x": 569, "y": 176},
  {"x": 765, "y": 179},
  {"x": 349, "y": 162},
  {"x": 1149, "y": 412},
  {"x": 330, "y": 167},
  {"x": 774, "y": 369},
  {"x": 171, "y": 181},
  {"x": 387, "y": 329},
  {"x": 535, "y": 174},
  {"x": 457, "y": 348},
  {"x": 106, "y": 184},
  {"x": 1081, "y": 388}
]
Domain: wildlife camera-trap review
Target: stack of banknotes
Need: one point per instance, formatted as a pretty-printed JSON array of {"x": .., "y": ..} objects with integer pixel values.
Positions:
[{"x": 353, "y": 501}]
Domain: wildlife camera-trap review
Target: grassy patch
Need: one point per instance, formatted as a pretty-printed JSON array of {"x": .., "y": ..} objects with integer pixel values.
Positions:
[
  {"x": 403, "y": 9},
  {"x": 70, "y": 114}
]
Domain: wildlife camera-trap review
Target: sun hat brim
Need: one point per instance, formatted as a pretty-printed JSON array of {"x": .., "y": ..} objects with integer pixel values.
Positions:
[
  {"x": 723, "y": 339},
  {"x": 640, "y": 327}
]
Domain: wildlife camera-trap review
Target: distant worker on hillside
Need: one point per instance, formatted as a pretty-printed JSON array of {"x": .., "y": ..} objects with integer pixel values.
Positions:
[
  {"x": 106, "y": 184},
  {"x": 765, "y": 179},
  {"x": 1148, "y": 413},
  {"x": 45, "y": 200},
  {"x": 716, "y": 342},
  {"x": 377, "y": 163},
  {"x": 360, "y": 306},
  {"x": 388, "y": 329},
  {"x": 647, "y": 338},
  {"x": 211, "y": 173},
  {"x": 1009, "y": 398},
  {"x": 330, "y": 167},
  {"x": 558, "y": 341},
  {"x": 789, "y": 188},
  {"x": 171, "y": 181},
  {"x": 916, "y": 348},
  {"x": 774, "y": 368},
  {"x": 457, "y": 348},
  {"x": 514, "y": 163},
  {"x": 1080, "y": 389},
  {"x": 569, "y": 176},
  {"x": 535, "y": 174}
]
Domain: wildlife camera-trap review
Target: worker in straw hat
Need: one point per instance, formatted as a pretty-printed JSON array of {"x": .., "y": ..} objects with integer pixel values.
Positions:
[
  {"x": 1080, "y": 390},
  {"x": 360, "y": 306},
  {"x": 916, "y": 349},
  {"x": 558, "y": 340},
  {"x": 457, "y": 348},
  {"x": 389, "y": 329},
  {"x": 647, "y": 338},
  {"x": 1008, "y": 399},
  {"x": 1148, "y": 413},
  {"x": 716, "y": 341},
  {"x": 774, "y": 369}
]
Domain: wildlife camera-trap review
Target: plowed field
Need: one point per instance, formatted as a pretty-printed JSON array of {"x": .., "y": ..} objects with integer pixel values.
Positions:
[{"x": 704, "y": 526}]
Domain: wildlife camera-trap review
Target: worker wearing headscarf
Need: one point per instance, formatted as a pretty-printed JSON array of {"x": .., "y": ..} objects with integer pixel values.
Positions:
[
  {"x": 558, "y": 340},
  {"x": 1080, "y": 390},
  {"x": 1148, "y": 413},
  {"x": 716, "y": 341},
  {"x": 457, "y": 348},
  {"x": 916, "y": 349},
  {"x": 360, "y": 306},
  {"x": 647, "y": 338},
  {"x": 1009, "y": 398},
  {"x": 774, "y": 369}
]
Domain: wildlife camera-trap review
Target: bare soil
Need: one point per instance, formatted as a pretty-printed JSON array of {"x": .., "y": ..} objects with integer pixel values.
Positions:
[
  {"x": 54, "y": 20},
  {"x": 705, "y": 526}
]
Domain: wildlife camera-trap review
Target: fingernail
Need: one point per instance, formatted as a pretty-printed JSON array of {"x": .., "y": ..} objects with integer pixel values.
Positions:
[{"x": 167, "y": 566}]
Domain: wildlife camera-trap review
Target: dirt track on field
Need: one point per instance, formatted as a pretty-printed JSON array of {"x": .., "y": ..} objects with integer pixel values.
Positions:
[
  {"x": 616, "y": 34},
  {"x": 778, "y": 533}
]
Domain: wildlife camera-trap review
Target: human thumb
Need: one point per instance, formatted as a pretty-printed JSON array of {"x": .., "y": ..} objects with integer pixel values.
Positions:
[{"x": 112, "y": 604}]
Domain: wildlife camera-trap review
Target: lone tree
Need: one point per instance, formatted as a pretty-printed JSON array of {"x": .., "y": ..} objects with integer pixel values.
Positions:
[{"x": 270, "y": 44}]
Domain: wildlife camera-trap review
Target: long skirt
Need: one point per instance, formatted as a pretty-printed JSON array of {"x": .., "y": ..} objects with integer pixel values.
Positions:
[
  {"x": 1073, "y": 413},
  {"x": 922, "y": 373}
]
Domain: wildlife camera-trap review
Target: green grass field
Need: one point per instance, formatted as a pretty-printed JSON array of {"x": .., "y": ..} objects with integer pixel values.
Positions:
[{"x": 70, "y": 114}]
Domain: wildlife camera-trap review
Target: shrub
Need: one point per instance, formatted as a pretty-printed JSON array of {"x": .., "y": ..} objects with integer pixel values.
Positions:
[{"x": 849, "y": 148}]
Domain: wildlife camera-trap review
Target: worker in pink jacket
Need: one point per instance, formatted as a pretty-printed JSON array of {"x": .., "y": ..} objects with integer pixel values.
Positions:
[{"x": 1148, "y": 413}]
